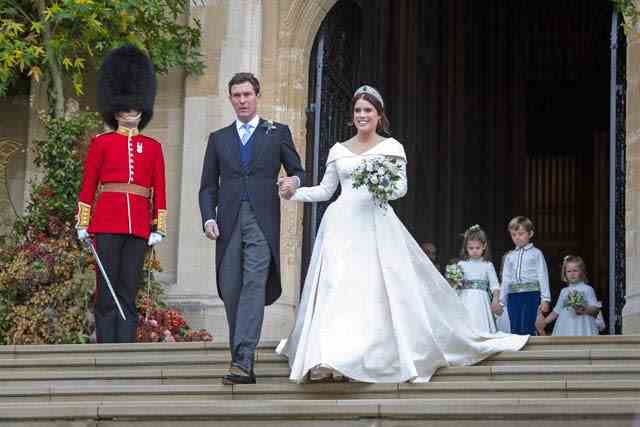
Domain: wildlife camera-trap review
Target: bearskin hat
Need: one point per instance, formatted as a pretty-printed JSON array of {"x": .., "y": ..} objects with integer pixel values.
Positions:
[{"x": 126, "y": 81}]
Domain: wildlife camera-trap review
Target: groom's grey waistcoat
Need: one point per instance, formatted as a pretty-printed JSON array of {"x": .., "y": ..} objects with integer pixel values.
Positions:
[{"x": 224, "y": 178}]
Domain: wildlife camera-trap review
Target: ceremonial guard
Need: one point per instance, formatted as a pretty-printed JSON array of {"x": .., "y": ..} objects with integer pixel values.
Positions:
[{"x": 122, "y": 203}]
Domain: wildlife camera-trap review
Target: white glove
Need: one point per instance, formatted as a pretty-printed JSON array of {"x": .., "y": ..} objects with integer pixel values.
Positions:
[
  {"x": 83, "y": 234},
  {"x": 154, "y": 239}
]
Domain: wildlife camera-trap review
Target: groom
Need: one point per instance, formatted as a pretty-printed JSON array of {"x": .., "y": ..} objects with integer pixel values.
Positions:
[{"x": 240, "y": 210}]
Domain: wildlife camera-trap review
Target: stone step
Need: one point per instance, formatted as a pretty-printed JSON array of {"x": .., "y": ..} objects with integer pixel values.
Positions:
[
  {"x": 511, "y": 412},
  {"x": 571, "y": 357},
  {"x": 455, "y": 390},
  {"x": 134, "y": 350},
  {"x": 279, "y": 374},
  {"x": 535, "y": 344},
  {"x": 613, "y": 342},
  {"x": 271, "y": 360}
]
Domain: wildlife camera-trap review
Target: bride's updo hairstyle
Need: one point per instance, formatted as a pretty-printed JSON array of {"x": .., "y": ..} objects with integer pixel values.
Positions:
[{"x": 372, "y": 96}]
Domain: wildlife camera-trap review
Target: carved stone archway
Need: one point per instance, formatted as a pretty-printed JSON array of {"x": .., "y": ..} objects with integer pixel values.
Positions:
[
  {"x": 285, "y": 77},
  {"x": 8, "y": 148}
]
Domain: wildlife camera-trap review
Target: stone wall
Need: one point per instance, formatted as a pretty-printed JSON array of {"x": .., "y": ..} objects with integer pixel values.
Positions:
[
  {"x": 272, "y": 39},
  {"x": 631, "y": 311}
]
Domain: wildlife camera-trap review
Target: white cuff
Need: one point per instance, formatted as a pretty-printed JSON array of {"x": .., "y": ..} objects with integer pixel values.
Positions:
[{"x": 154, "y": 239}]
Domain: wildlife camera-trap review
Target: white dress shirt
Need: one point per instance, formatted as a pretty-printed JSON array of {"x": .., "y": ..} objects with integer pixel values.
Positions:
[
  {"x": 524, "y": 265},
  {"x": 253, "y": 124}
]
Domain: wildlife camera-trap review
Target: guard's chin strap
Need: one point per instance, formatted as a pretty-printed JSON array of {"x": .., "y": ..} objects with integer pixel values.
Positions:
[
  {"x": 131, "y": 124},
  {"x": 130, "y": 131}
]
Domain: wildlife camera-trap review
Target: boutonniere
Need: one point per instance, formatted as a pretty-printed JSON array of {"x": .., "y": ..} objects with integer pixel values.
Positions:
[{"x": 269, "y": 126}]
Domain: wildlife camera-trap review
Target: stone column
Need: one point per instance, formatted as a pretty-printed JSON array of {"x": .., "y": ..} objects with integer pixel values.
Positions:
[
  {"x": 167, "y": 127},
  {"x": 36, "y": 131},
  {"x": 631, "y": 311},
  {"x": 232, "y": 38}
]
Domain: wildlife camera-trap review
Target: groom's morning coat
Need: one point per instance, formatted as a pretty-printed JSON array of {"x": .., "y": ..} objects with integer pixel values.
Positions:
[{"x": 224, "y": 178}]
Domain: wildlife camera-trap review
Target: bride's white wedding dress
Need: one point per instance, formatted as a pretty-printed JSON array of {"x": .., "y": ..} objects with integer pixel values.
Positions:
[{"x": 373, "y": 307}]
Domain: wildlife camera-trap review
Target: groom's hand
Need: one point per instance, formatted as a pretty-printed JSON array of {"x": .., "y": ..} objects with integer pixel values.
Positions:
[
  {"x": 285, "y": 195},
  {"x": 287, "y": 186},
  {"x": 211, "y": 230}
]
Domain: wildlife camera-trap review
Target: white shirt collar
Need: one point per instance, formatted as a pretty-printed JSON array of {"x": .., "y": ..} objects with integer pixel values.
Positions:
[
  {"x": 253, "y": 122},
  {"x": 525, "y": 247}
]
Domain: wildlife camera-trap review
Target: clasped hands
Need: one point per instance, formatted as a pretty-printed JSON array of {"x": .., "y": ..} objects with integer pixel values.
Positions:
[
  {"x": 497, "y": 308},
  {"x": 541, "y": 319},
  {"x": 287, "y": 186}
]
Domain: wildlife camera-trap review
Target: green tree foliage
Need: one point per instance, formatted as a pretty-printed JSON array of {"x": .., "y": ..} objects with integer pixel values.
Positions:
[
  {"x": 65, "y": 38},
  {"x": 46, "y": 277},
  {"x": 630, "y": 11}
]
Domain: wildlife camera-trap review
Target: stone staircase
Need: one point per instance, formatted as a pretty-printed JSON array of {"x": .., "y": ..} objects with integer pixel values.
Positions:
[{"x": 554, "y": 381}]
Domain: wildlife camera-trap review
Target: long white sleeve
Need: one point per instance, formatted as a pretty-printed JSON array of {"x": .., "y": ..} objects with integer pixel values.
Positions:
[
  {"x": 494, "y": 284},
  {"x": 543, "y": 278},
  {"x": 322, "y": 192},
  {"x": 507, "y": 278},
  {"x": 401, "y": 185},
  {"x": 590, "y": 296}
]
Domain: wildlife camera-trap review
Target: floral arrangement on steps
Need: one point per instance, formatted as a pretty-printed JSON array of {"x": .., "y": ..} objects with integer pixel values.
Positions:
[
  {"x": 47, "y": 280},
  {"x": 156, "y": 321},
  {"x": 166, "y": 325}
]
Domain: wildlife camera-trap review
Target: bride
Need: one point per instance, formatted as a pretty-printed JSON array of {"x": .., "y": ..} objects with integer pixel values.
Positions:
[{"x": 374, "y": 308}]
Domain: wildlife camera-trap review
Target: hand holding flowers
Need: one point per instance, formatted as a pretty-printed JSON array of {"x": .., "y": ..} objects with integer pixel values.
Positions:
[
  {"x": 576, "y": 301},
  {"x": 454, "y": 275},
  {"x": 379, "y": 176}
]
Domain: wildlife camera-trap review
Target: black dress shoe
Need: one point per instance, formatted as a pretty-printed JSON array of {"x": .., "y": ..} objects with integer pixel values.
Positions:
[{"x": 238, "y": 376}]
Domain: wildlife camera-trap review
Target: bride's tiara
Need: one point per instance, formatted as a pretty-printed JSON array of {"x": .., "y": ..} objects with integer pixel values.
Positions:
[{"x": 371, "y": 91}]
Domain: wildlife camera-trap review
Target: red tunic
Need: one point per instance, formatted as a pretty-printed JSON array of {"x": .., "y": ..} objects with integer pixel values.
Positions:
[{"x": 113, "y": 158}]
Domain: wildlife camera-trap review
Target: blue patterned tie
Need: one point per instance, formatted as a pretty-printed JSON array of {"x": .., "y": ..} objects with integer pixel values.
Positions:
[{"x": 246, "y": 133}]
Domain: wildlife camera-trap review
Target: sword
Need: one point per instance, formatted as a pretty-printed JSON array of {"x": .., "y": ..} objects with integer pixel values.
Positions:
[{"x": 88, "y": 243}]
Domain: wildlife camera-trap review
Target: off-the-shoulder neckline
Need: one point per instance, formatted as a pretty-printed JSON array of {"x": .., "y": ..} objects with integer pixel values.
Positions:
[{"x": 367, "y": 150}]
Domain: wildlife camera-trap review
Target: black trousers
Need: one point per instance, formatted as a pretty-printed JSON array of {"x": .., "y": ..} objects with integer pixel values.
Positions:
[{"x": 122, "y": 257}]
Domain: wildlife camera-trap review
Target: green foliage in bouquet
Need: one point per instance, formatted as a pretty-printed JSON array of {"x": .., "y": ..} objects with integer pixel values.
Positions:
[
  {"x": 454, "y": 275},
  {"x": 379, "y": 177},
  {"x": 575, "y": 299}
]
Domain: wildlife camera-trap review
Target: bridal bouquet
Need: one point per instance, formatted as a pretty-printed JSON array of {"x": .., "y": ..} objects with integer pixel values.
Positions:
[
  {"x": 454, "y": 275},
  {"x": 575, "y": 299},
  {"x": 379, "y": 176}
]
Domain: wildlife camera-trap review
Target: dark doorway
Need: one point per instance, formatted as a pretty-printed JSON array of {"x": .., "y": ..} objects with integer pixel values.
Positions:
[
  {"x": 503, "y": 109},
  {"x": 332, "y": 76}
]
